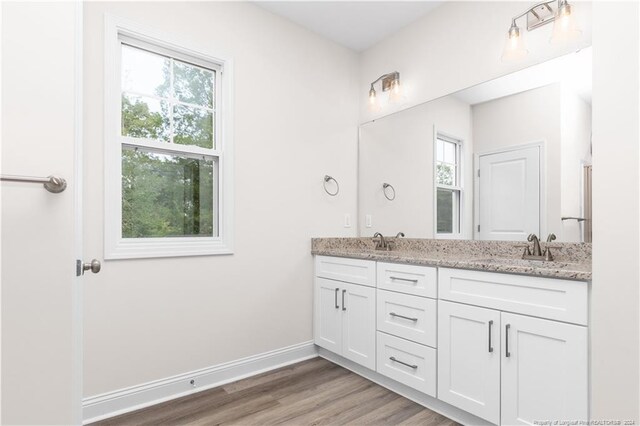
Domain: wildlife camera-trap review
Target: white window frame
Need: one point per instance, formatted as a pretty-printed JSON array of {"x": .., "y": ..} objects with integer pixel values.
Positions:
[
  {"x": 458, "y": 227},
  {"x": 118, "y": 30}
]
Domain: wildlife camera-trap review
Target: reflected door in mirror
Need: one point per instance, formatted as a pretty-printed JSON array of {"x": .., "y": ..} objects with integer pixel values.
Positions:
[{"x": 509, "y": 194}]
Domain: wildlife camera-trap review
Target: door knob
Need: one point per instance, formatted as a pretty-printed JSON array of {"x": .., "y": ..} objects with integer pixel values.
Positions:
[{"x": 94, "y": 266}]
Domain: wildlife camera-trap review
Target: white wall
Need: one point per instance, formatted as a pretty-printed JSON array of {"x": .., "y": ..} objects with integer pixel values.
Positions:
[
  {"x": 40, "y": 352},
  {"x": 399, "y": 149},
  {"x": 294, "y": 123},
  {"x": 457, "y": 45},
  {"x": 616, "y": 248},
  {"x": 528, "y": 117}
]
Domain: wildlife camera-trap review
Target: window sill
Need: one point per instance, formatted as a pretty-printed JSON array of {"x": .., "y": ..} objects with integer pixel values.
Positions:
[{"x": 144, "y": 248}]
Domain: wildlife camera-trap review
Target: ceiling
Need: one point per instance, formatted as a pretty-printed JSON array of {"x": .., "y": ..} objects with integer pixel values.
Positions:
[{"x": 357, "y": 25}]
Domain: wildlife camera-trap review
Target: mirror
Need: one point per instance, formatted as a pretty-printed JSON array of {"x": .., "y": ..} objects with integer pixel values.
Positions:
[{"x": 496, "y": 161}]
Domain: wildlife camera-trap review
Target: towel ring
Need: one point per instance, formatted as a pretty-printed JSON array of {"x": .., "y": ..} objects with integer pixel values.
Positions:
[
  {"x": 384, "y": 191},
  {"x": 328, "y": 178}
]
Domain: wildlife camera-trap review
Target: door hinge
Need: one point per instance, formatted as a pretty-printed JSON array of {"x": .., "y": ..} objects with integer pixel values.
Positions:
[
  {"x": 478, "y": 172},
  {"x": 478, "y": 228}
]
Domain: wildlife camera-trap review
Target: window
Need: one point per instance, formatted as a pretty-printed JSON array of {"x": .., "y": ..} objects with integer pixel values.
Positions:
[
  {"x": 448, "y": 186},
  {"x": 168, "y": 166}
]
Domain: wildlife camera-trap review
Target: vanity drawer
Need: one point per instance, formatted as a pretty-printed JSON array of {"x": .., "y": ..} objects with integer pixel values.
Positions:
[
  {"x": 410, "y": 279},
  {"x": 410, "y": 317},
  {"x": 407, "y": 362},
  {"x": 561, "y": 300},
  {"x": 355, "y": 271}
]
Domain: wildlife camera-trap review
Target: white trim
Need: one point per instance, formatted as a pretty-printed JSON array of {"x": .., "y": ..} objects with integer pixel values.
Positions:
[
  {"x": 116, "y": 247},
  {"x": 121, "y": 401},
  {"x": 541, "y": 144},
  {"x": 78, "y": 179},
  {"x": 414, "y": 395}
]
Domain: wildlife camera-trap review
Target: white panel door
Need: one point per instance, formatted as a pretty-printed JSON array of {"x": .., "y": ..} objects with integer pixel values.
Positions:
[
  {"x": 358, "y": 304},
  {"x": 327, "y": 321},
  {"x": 509, "y": 195},
  {"x": 469, "y": 359},
  {"x": 41, "y": 330},
  {"x": 544, "y": 370}
]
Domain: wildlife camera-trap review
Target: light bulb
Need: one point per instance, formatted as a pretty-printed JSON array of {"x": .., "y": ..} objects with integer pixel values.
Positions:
[
  {"x": 564, "y": 25},
  {"x": 395, "y": 93},
  {"x": 372, "y": 96},
  {"x": 374, "y": 105},
  {"x": 514, "y": 46}
]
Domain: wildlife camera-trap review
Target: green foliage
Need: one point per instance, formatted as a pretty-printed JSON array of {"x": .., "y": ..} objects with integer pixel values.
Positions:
[
  {"x": 444, "y": 203},
  {"x": 166, "y": 195}
]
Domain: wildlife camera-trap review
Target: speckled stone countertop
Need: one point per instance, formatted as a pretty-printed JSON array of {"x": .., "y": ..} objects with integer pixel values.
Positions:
[{"x": 571, "y": 260}]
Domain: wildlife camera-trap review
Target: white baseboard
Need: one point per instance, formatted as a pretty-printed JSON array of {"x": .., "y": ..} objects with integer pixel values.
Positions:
[
  {"x": 133, "y": 398},
  {"x": 425, "y": 400}
]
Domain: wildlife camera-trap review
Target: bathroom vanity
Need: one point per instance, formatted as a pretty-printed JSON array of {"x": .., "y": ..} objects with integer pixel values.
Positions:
[{"x": 466, "y": 328}]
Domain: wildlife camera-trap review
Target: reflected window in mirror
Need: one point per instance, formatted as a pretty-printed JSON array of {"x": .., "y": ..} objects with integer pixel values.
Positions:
[{"x": 448, "y": 180}]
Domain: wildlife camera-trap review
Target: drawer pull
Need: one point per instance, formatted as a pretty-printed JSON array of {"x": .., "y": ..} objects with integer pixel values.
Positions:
[
  {"x": 392, "y": 358},
  {"x": 393, "y": 314},
  {"x": 490, "y": 325},
  {"x": 336, "y": 298},
  {"x": 506, "y": 339},
  {"x": 411, "y": 280},
  {"x": 344, "y": 308}
]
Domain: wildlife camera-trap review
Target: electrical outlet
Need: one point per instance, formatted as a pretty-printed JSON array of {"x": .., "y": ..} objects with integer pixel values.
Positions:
[{"x": 368, "y": 221}]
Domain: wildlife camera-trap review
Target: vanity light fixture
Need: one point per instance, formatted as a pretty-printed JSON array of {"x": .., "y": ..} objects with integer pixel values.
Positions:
[
  {"x": 557, "y": 11},
  {"x": 391, "y": 84}
]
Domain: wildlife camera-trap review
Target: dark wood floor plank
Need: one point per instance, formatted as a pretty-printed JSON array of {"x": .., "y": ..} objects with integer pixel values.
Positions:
[
  {"x": 299, "y": 368},
  {"x": 297, "y": 404},
  {"x": 380, "y": 397},
  {"x": 337, "y": 410},
  {"x": 314, "y": 392}
]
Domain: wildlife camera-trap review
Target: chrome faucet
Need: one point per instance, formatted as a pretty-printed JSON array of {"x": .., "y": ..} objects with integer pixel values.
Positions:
[
  {"x": 381, "y": 243},
  {"x": 400, "y": 234}
]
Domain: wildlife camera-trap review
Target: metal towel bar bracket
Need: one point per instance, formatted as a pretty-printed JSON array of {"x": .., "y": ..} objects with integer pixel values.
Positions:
[
  {"x": 327, "y": 179},
  {"x": 52, "y": 184},
  {"x": 384, "y": 191}
]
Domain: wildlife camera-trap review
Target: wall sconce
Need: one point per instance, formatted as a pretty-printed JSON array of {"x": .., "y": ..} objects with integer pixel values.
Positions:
[
  {"x": 564, "y": 27},
  {"x": 391, "y": 84}
]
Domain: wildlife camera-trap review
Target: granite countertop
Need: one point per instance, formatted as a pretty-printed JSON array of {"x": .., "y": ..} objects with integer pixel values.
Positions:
[{"x": 572, "y": 260}]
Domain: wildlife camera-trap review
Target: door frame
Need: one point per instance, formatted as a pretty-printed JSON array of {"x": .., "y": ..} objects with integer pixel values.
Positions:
[
  {"x": 77, "y": 281},
  {"x": 541, "y": 145}
]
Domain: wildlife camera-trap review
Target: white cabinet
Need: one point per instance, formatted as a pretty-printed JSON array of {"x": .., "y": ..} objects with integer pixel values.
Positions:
[
  {"x": 410, "y": 317},
  {"x": 511, "y": 369},
  {"x": 358, "y": 307},
  {"x": 409, "y": 279},
  {"x": 561, "y": 300},
  {"x": 469, "y": 359},
  {"x": 345, "y": 313},
  {"x": 544, "y": 373},
  {"x": 327, "y": 321},
  {"x": 409, "y": 363},
  {"x": 509, "y": 349}
]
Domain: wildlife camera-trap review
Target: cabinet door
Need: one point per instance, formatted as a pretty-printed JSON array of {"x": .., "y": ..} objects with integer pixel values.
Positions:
[
  {"x": 544, "y": 370},
  {"x": 358, "y": 304},
  {"x": 469, "y": 359},
  {"x": 327, "y": 315}
]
